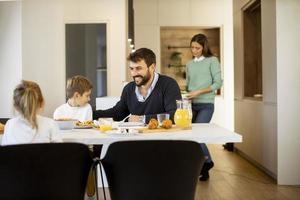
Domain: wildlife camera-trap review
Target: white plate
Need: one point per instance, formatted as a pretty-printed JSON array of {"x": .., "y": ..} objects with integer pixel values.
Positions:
[
  {"x": 83, "y": 127},
  {"x": 130, "y": 124}
]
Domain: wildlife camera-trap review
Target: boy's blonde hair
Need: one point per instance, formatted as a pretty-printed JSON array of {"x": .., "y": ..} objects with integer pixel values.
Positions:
[
  {"x": 78, "y": 84},
  {"x": 28, "y": 99}
]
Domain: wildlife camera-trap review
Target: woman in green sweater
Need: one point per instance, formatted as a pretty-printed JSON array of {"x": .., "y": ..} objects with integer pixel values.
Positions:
[{"x": 203, "y": 79}]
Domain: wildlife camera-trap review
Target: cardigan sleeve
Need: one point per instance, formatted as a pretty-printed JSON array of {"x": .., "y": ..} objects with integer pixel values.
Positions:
[{"x": 216, "y": 74}]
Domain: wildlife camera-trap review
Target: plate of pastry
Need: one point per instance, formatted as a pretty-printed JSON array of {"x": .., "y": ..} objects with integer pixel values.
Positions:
[{"x": 84, "y": 125}]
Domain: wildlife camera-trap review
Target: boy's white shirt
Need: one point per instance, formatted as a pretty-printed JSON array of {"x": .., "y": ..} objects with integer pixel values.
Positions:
[
  {"x": 19, "y": 131},
  {"x": 82, "y": 113}
]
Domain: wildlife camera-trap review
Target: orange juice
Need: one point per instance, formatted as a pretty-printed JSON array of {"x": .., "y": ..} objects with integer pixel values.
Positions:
[
  {"x": 182, "y": 118},
  {"x": 105, "y": 127},
  {"x": 105, "y": 124}
]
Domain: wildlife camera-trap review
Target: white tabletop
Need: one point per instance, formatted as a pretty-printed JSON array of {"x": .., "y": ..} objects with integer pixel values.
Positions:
[{"x": 201, "y": 133}]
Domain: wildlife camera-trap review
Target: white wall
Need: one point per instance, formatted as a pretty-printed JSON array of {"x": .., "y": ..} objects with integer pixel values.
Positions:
[
  {"x": 43, "y": 40},
  {"x": 288, "y": 90},
  {"x": 270, "y": 128},
  {"x": 151, "y": 15},
  {"x": 257, "y": 120},
  {"x": 10, "y": 54}
]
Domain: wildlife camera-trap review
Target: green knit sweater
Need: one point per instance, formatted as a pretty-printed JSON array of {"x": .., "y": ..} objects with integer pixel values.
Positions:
[{"x": 203, "y": 74}]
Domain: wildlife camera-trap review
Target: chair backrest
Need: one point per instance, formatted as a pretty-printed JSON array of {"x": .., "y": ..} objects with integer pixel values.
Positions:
[
  {"x": 153, "y": 170},
  {"x": 103, "y": 103},
  {"x": 3, "y": 120},
  {"x": 44, "y": 171}
]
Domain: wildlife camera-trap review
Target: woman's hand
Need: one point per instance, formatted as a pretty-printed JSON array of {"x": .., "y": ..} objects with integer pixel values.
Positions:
[
  {"x": 196, "y": 93},
  {"x": 193, "y": 94}
]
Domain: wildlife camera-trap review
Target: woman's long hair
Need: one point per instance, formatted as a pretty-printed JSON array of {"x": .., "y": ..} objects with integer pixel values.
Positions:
[
  {"x": 202, "y": 40},
  {"x": 28, "y": 99}
]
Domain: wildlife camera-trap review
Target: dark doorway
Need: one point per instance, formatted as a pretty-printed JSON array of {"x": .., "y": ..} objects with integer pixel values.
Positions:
[
  {"x": 86, "y": 55},
  {"x": 252, "y": 51}
]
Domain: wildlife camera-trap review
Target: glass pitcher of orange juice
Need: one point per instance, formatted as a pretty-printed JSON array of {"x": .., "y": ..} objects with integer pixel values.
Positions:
[{"x": 183, "y": 114}]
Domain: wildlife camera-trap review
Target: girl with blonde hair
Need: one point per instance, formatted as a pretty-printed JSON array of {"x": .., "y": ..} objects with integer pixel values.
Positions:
[{"x": 28, "y": 126}]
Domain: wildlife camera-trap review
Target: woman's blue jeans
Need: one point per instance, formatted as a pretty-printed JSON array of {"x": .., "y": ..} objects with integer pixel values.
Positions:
[{"x": 202, "y": 113}]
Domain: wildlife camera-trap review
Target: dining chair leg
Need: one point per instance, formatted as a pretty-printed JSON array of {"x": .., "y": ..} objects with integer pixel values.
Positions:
[
  {"x": 102, "y": 182},
  {"x": 96, "y": 182},
  {"x": 90, "y": 188}
]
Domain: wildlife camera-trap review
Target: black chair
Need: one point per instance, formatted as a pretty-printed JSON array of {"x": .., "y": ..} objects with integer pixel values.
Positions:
[
  {"x": 3, "y": 120},
  {"x": 153, "y": 170},
  {"x": 51, "y": 171}
]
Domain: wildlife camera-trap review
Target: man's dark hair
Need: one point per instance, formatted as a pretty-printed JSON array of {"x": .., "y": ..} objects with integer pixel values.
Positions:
[{"x": 143, "y": 54}]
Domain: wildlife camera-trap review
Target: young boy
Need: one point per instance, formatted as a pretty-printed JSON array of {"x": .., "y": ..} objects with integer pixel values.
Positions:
[{"x": 77, "y": 107}]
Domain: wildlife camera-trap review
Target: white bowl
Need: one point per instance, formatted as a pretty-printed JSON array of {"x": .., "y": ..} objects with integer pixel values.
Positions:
[{"x": 66, "y": 124}]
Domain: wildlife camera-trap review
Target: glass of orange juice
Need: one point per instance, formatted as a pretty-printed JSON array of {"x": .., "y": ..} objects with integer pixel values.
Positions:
[{"x": 105, "y": 124}]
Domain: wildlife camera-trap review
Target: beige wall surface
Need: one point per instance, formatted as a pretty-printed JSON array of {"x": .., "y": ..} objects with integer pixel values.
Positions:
[
  {"x": 33, "y": 45},
  {"x": 270, "y": 127},
  {"x": 288, "y": 90},
  {"x": 151, "y": 15},
  {"x": 257, "y": 120},
  {"x": 10, "y": 54},
  {"x": 43, "y": 42}
]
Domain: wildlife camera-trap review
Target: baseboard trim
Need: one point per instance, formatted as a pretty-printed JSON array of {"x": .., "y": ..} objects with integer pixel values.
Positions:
[{"x": 256, "y": 164}]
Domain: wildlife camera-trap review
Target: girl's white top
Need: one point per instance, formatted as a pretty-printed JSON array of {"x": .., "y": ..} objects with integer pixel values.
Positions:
[{"x": 19, "y": 131}]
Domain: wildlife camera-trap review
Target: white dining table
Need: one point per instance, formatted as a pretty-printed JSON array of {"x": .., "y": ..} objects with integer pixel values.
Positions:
[{"x": 201, "y": 133}]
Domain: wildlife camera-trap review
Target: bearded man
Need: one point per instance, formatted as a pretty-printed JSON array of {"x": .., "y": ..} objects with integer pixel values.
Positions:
[{"x": 147, "y": 95}]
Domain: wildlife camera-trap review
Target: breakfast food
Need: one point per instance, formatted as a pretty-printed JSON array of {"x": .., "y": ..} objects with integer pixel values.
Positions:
[
  {"x": 85, "y": 123},
  {"x": 153, "y": 124},
  {"x": 166, "y": 124}
]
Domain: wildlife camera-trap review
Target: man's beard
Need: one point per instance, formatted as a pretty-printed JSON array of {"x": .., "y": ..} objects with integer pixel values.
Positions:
[{"x": 144, "y": 79}]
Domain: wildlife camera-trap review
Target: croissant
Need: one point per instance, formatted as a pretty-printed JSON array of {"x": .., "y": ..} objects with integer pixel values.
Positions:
[
  {"x": 153, "y": 124},
  {"x": 166, "y": 124}
]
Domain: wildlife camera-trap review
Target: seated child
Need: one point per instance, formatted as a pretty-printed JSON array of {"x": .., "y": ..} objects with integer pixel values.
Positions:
[
  {"x": 77, "y": 107},
  {"x": 29, "y": 126}
]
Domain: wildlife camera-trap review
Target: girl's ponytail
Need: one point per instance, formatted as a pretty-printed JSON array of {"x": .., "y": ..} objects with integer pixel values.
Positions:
[{"x": 28, "y": 100}]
